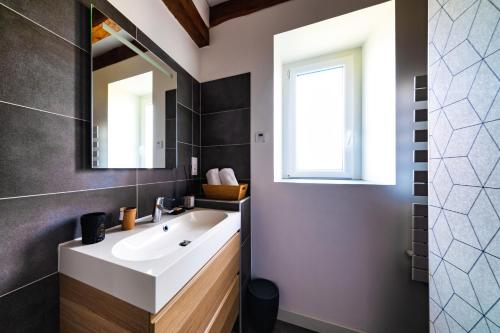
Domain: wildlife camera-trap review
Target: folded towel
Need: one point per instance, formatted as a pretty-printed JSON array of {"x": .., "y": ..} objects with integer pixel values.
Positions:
[
  {"x": 227, "y": 177},
  {"x": 213, "y": 177}
]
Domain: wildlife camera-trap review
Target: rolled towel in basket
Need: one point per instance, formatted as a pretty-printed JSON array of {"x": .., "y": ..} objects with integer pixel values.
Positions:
[
  {"x": 227, "y": 177},
  {"x": 213, "y": 177}
]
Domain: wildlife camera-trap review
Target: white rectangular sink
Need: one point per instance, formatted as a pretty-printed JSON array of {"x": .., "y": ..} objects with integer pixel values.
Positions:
[{"x": 148, "y": 265}]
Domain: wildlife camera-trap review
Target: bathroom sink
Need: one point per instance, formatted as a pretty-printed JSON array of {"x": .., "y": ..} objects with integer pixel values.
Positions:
[
  {"x": 148, "y": 265},
  {"x": 163, "y": 240}
]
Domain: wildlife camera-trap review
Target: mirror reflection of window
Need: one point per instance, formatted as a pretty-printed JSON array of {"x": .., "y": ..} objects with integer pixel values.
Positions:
[{"x": 127, "y": 103}]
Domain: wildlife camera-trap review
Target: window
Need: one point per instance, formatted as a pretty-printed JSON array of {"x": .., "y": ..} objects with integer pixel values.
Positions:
[{"x": 322, "y": 117}]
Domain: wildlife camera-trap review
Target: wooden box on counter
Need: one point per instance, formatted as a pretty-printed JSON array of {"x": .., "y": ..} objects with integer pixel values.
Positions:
[{"x": 225, "y": 192}]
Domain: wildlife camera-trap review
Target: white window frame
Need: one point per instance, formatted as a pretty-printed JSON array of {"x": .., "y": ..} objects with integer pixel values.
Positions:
[{"x": 351, "y": 61}]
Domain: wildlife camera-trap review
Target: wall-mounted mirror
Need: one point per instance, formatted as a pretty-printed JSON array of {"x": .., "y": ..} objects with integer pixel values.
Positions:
[{"x": 133, "y": 101}]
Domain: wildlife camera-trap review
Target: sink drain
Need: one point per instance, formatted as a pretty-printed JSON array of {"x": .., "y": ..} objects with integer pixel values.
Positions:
[{"x": 184, "y": 243}]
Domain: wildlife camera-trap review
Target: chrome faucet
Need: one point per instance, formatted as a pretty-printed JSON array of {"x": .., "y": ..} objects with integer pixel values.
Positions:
[{"x": 158, "y": 209}]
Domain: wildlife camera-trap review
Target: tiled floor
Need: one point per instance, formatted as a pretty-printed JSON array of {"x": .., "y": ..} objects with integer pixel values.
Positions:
[{"x": 282, "y": 327}]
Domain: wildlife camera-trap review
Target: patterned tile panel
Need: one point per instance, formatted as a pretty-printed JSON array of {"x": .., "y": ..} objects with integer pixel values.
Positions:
[{"x": 464, "y": 168}]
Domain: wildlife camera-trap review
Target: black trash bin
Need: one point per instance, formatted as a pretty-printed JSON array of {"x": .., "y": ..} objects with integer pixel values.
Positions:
[{"x": 263, "y": 301}]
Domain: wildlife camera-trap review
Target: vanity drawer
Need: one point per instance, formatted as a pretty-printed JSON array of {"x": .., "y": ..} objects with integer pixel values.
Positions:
[
  {"x": 226, "y": 314},
  {"x": 193, "y": 309}
]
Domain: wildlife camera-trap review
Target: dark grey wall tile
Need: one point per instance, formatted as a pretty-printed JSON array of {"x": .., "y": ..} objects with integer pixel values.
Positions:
[
  {"x": 54, "y": 74},
  {"x": 196, "y": 96},
  {"x": 185, "y": 89},
  {"x": 196, "y": 129},
  {"x": 194, "y": 187},
  {"x": 184, "y": 153},
  {"x": 147, "y": 194},
  {"x": 170, "y": 103},
  {"x": 45, "y": 153},
  {"x": 184, "y": 124},
  {"x": 236, "y": 157},
  {"x": 245, "y": 265},
  {"x": 181, "y": 189},
  {"x": 245, "y": 208},
  {"x": 217, "y": 204},
  {"x": 49, "y": 153},
  {"x": 170, "y": 158},
  {"x": 182, "y": 172},
  {"x": 70, "y": 20},
  {"x": 34, "y": 308},
  {"x": 31, "y": 229},
  {"x": 226, "y": 94},
  {"x": 170, "y": 133},
  {"x": 145, "y": 176},
  {"x": 226, "y": 128}
]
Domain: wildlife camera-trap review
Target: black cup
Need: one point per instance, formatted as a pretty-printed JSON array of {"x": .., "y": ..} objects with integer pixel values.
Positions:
[{"x": 93, "y": 227}]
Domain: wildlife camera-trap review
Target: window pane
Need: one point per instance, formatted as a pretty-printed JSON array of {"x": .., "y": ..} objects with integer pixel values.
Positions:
[{"x": 319, "y": 120}]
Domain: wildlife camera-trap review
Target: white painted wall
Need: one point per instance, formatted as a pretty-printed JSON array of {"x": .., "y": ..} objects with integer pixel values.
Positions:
[
  {"x": 379, "y": 109},
  {"x": 335, "y": 251},
  {"x": 156, "y": 21}
]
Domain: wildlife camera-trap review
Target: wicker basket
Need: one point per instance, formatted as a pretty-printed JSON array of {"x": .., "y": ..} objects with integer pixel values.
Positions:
[{"x": 225, "y": 192}]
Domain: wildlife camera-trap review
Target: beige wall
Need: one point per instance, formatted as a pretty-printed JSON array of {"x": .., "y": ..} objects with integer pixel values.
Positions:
[{"x": 335, "y": 251}]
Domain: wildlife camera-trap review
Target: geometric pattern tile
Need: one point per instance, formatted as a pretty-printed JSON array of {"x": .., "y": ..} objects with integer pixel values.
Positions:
[
  {"x": 484, "y": 154},
  {"x": 462, "y": 255},
  {"x": 461, "y": 228},
  {"x": 494, "y": 113},
  {"x": 461, "y": 141},
  {"x": 493, "y": 128},
  {"x": 465, "y": 315},
  {"x": 461, "y": 171},
  {"x": 484, "y": 283},
  {"x": 484, "y": 219},
  {"x": 464, "y": 165},
  {"x": 461, "y": 114},
  {"x": 483, "y": 90}
]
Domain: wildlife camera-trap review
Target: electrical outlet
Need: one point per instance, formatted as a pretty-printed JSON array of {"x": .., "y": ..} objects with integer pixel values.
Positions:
[{"x": 194, "y": 166}]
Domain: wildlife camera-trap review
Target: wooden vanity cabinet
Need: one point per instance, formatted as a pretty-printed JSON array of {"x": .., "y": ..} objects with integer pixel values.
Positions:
[{"x": 208, "y": 303}]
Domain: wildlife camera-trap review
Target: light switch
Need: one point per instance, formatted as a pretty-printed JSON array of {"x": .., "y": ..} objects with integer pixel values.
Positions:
[
  {"x": 194, "y": 166},
  {"x": 260, "y": 137}
]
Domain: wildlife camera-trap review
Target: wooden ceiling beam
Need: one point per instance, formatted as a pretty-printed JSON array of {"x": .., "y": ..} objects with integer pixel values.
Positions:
[
  {"x": 235, "y": 8},
  {"x": 186, "y": 13},
  {"x": 98, "y": 32}
]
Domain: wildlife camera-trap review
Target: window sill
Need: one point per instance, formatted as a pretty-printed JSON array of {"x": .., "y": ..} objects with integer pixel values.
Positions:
[{"x": 330, "y": 181}]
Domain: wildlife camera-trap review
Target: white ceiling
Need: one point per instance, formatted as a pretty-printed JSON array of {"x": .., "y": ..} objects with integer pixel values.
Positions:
[
  {"x": 139, "y": 85},
  {"x": 215, "y": 2}
]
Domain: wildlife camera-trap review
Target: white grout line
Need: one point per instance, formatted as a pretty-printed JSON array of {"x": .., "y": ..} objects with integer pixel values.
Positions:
[
  {"x": 44, "y": 111},
  {"x": 165, "y": 181},
  {"x": 75, "y": 191},
  {"x": 190, "y": 109},
  {"x": 28, "y": 284},
  {"x": 137, "y": 189},
  {"x": 224, "y": 111},
  {"x": 228, "y": 145},
  {"x": 185, "y": 143},
  {"x": 44, "y": 28}
]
